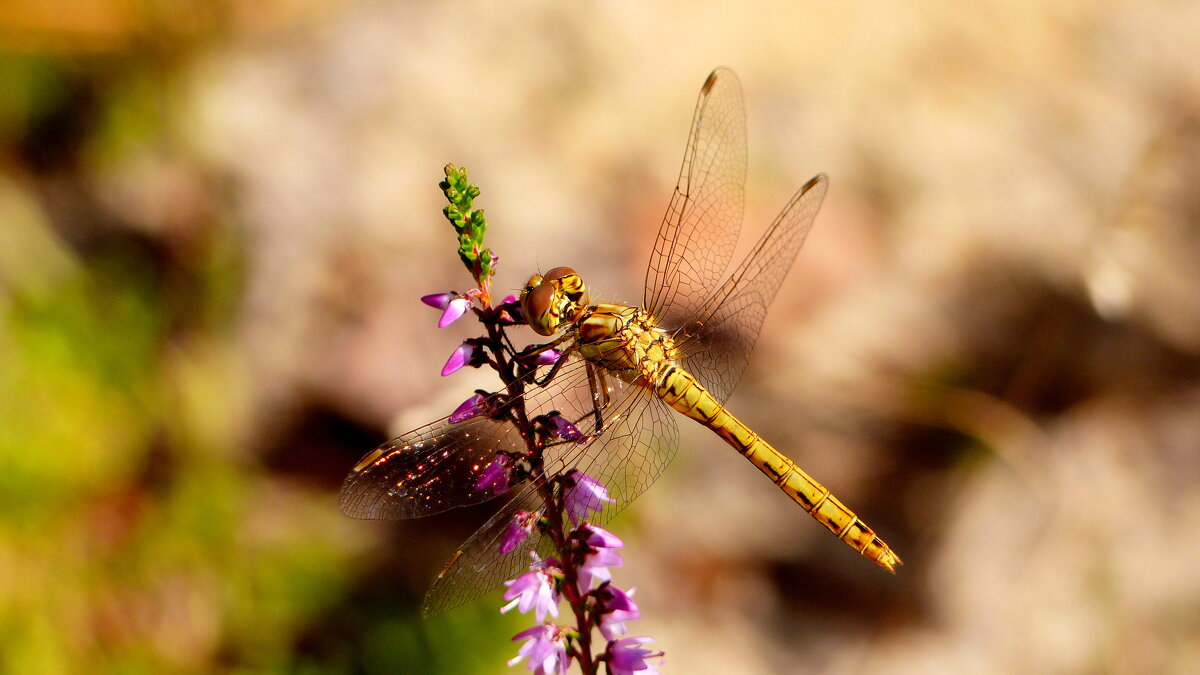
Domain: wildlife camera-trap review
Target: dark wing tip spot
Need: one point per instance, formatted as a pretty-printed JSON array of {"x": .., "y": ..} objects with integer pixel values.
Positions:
[{"x": 814, "y": 181}]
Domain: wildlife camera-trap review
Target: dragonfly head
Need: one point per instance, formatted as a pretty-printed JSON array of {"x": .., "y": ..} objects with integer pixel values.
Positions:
[{"x": 554, "y": 298}]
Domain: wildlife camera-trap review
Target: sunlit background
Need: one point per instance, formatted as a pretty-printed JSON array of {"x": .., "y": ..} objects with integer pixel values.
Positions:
[{"x": 216, "y": 219}]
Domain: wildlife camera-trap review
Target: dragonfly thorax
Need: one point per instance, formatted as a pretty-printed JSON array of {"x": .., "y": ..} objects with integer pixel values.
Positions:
[
  {"x": 624, "y": 341},
  {"x": 552, "y": 300}
]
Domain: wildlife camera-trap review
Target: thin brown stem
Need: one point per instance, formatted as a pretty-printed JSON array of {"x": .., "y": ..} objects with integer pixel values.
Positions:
[{"x": 515, "y": 373}]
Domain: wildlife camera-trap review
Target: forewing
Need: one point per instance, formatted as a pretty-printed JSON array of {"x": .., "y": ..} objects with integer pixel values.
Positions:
[
  {"x": 437, "y": 467},
  {"x": 717, "y": 342},
  {"x": 639, "y": 440},
  {"x": 700, "y": 229}
]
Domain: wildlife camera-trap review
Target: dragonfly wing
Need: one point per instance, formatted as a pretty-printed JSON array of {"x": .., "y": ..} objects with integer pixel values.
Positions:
[
  {"x": 639, "y": 440},
  {"x": 717, "y": 341},
  {"x": 700, "y": 229},
  {"x": 437, "y": 467},
  {"x": 427, "y": 470},
  {"x": 480, "y": 565}
]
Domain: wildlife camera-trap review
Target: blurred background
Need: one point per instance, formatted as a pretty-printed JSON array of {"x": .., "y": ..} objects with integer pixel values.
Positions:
[{"x": 216, "y": 219}]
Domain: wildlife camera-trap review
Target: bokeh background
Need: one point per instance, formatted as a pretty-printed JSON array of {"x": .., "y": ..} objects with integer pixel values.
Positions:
[{"x": 216, "y": 219}]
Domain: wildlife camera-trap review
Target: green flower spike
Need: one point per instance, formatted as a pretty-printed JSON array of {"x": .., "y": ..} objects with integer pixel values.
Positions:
[{"x": 470, "y": 226}]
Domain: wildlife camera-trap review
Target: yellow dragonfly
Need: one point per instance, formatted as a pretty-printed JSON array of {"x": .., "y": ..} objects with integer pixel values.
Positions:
[{"x": 624, "y": 373}]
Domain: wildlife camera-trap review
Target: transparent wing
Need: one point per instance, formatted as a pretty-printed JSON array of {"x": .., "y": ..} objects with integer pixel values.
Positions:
[
  {"x": 436, "y": 467},
  {"x": 638, "y": 442},
  {"x": 700, "y": 229},
  {"x": 717, "y": 341},
  {"x": 479, "y": 566}
]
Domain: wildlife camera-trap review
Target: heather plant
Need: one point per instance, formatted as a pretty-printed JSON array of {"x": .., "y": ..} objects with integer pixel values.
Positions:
[{"x": 579, "y": 573}]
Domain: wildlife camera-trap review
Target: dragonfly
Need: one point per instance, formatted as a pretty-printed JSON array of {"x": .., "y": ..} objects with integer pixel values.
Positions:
[{"x": 626, "y": 373}]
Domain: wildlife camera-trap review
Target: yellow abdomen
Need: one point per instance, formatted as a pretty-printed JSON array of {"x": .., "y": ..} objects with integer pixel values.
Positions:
[{"x": 681, "y": 391}]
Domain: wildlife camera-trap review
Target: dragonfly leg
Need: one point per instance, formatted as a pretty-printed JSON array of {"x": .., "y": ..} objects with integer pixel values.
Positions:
[
  {"x": 600, "y": 398},
  {"x": 531, "y": 350},
  {"x": 557, "y": 364},
  {"x": 508, "y": 344}
]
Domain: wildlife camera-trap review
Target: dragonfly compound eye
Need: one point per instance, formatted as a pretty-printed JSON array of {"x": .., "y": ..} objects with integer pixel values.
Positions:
[
  {"x": 559, "y": 272},
  {"x": 534, "y": 282},
  {"x": 537, "y": 301},
  {"x": 550, "y": 300},
  {"x": 571, "y": 290}
]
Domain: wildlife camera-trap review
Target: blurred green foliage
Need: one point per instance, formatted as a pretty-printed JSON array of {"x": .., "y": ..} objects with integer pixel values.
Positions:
[
  {"x": 29, "y": 84},
  {"x": 128, "y": 516},
  {"x": 137, "y": 532}
]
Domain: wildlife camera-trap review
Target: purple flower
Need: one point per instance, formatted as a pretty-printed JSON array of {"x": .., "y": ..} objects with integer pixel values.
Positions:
[
  {"x": 586, "y": 496},
  {"x": 545, "y": 647},
  {"x": 439, "y": 300},
  {"x": 626, "y": 656},
  {"x": 600, "y": 557},
  {"x": 617, "y": 607},
  {"x": 598, "y": 537},
  {"x": 512, "y": 313},
  {"x": 452, "y": 305},
  {"x": 548, "y": 357},
  {"x": 565, "y": 429},
  {"x": 534, "y": 590},
  {"x": 464, "y": 355},
  {"x": 472, "y": 407},
  {"x": 520, "y": 527},
  {"x": 495, "y": 476},
  {"x": 454, "y": 311},
  {"x": 595, "y": 566}
]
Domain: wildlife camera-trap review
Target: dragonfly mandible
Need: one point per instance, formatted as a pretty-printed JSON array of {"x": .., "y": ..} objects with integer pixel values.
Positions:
[{"x": 626, "y": 372}]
